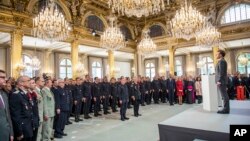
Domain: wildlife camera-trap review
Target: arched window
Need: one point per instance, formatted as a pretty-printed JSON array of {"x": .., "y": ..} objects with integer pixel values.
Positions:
[
  {"x": 150, "y": 70},
  {"x": 96, "y": 70},
  {"x": 243, "y": 69},
  {"x": 178, "y": 67},
  {"x": 29, "y": 70},
  {"x": 94, "y": 22},
  {"x": 65, "y": 69},
  {"x": 208, "y": 67},
  {"x": 156, "y": 31},
  {"x": 236, "y": 13},
  {"x": 126, "y": 32}
]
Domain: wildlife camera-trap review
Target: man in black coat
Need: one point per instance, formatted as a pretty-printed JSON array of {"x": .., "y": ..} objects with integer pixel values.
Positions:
[
  {"x": 123, "y": 98},
  {"x": 68, "y": 87},
  {"x": 136, "y": 96},
  {"x": 171, "y": 86},
  {"x": 78, "y": 98},
  {"x": 21, "y": 111},
  {"x": 86, "y": 97},
  {"x": 62, "y": 104},
  {"x": 221, "y": 80},
  {"x": 142, "y": 84},
  {"x": 163, "y": 83},
  {"x": 96, "y": 90},
  {"x": 6, "y": 130},
  {"x": 105, "y": 89},
  {"x": 148, "y": 91},
  {"x": 114, "y": 94},
  {"x": 128, "y": 83},
  {"x": 156, "y": 89}
]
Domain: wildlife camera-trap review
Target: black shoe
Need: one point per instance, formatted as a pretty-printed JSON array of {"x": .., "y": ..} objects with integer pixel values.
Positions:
[
  {"x": 122, "y": 119},
  {"x": 57, "y": 136},
  {"x": 126, "y": 118},
  {"x": 96, "y": 115},
  {"x": 76, "y": 120},
  {"x": 143, "y": 105},
  {"x": 105, "y": 113},
  {"x": 80, "y": 119},
  {"x": 136, "y": 115},
  {"x": 223, "y": 112},
  {"x": 64, "y": 134},
  {"x": 129, "y": 107},
  {"x": 69, "y": 122},
  {"x": 99, "y": 114},
  {"x": 139, "y": 115}
]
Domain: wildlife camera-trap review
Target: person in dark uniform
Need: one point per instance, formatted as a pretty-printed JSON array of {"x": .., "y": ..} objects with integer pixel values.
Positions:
[
  {"x": 32, "y": 95},
  {"x": 123, "y": 98},
  {"x": 114, "y": 94},
  {"x": 230, "y": 87},
  {"x": 96, "y": 89},
  {"x": 69, "y": 88},
  {"x": 136, "y": 96},
  {"x": 62, "y": 109},
  {"x": 128, "y": 83},
  {"x": 163, "y": 84},
  {"x": 148, "y": 91},
  {"x": 105, "y": 89},
  {"x": 156, "y": 89},
  {"x": 86, "y": 97},
  {"x": 142, "y": 83},
  {"x": 78, "y": 98},
  {"x": 21, "y": 111},
  {"x": 171, "y": 86}
]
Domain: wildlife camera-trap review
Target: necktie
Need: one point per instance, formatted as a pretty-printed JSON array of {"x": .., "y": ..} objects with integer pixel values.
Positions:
[{"x": 1, "y": 102}]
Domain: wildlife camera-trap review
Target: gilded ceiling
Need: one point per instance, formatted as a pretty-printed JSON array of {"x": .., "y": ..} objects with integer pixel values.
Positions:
[{"x": 80, "y": 13}]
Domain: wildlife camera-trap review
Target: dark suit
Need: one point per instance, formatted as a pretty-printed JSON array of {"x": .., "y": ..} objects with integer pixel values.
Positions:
[
  {"x": 156, "y": 87},
  {"x": 221, "y": 76},
  {"x": 105, "y": 89},
  {"x": 137, "y": 95},
  {"x": 96, "y": 89},
  {"x": 21, "y": 114},
  {"x": 171, "y": 90},
  {"x": 61, "y": 102},
  {"x": 114, "y": 94},
  {"x": 77, "y": 96},
  {"x": 124, "y": 97},
  {"x": 87, "y": 95},
  {"x": 6, "y": 129}
]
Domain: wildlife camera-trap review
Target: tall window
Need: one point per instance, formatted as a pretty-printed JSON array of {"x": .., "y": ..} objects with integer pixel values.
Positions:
[
  {"x": 29, "y": 70},
  {"x": 178, "y": 67},
  {"x": 96, "y": 70},
  {"x": 65, "y": 69},
  {"x": 208, "y": 68},
  {"x": 237, "y": 12},
  {"x": 150, "y": 70},
  {"x": 244, "y": 69}
]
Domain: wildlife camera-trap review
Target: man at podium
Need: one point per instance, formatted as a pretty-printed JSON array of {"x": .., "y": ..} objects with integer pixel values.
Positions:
[{"x": 221, "y": 80}]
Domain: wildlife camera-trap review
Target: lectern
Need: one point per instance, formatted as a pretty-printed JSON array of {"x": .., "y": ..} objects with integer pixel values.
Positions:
[{"x": 211, "y": 96}]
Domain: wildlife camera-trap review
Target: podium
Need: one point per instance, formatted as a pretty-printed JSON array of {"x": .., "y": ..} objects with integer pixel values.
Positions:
[{"x": 211, "y": 97}]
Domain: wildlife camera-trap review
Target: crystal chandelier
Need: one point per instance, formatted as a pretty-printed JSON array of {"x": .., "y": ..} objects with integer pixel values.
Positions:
[
  {"x": 243, "y": 61},
  {"x": 35, "y": 63},
  {"x": 137, "y": 8},
  {"x": 187, "y": 22},
  {"x": 147, "y": 45},
  {"x": 50, "y": 24},
  {"x": 112, "y": 38},
  {"x": 208, "y": 37},
  {"x": 200, "y": 64},
  {"x": 80, "y": 67}
]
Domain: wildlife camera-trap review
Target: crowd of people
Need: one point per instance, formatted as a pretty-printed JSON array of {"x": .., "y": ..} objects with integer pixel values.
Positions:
[{"x": 35, "y": 109}]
